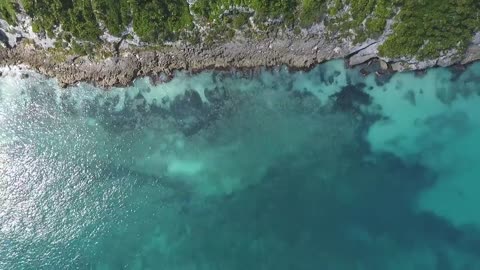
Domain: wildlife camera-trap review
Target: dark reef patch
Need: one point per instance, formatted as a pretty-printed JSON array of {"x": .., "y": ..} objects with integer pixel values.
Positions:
[{"x": 350, "y": 98}]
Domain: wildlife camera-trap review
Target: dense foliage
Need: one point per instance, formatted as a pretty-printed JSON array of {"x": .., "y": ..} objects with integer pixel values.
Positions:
[
  {"x": 157, "y": 20},
  {"x": 428, "y": 27},
  {"x": 212, "y": 9},
  {"x": 7, "y": 11},
  {"x": 311, "y": 11},
  {"x": 366, "y": 18},
  {"x": 153, "y": 20},
  {"x": 115, "y": 14},
  {"x": 422, "y": 28},
  {"x": 76, "y": 17}
]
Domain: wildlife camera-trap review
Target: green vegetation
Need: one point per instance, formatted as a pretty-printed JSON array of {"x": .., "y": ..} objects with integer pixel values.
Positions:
[
  {"x": 240, "y": 20},
  {"x": 429, "y": 27},
  {"x": 421, "y": 28},
  {"x": 213, "y": 9},
  {"x": 223, "y": 16},
  {"x": 375, "y": 24},
  {"x": 159, "y": 20},
  {"x": 153, "y": 20},
  {"x": 81, "y": 21},
  {"x": 75, "y": 17},
  {"x": 366, "y": 18},
  {"x": 312, "y": 11},
  {"x": 7, "y": 11},
  {"x": 115, "y": 14}
]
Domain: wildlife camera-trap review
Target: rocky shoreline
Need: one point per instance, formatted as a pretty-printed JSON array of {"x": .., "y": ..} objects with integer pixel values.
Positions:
[{"x": 296, "y": 52}]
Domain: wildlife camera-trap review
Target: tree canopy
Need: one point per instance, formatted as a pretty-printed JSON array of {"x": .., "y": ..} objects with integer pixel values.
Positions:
[{"x": 423, "y": 28}]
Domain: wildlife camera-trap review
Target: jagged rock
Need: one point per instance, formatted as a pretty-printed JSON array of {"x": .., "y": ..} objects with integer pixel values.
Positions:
[
  {"x": 398, "y": 66},
  {"x": 216, "y": 95},
  {"x": 423, "y": 64},
  {"x": 384, "y": 65},
  {"x": 281, "y": 47},
  {"x": 4, "y": 39},
  {"x": 7, "y": 39},
  {"x": 473, "y": 51},
  {"x": 364, "y": 55},
  {"x": 364, "y": 72},
  {"x": 122, "y": 69}
]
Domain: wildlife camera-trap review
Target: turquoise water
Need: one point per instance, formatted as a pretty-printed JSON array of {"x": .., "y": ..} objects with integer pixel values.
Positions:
[{"x": 324, "y": 169}]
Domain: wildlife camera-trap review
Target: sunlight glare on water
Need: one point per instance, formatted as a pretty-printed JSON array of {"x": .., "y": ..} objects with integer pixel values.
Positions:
[{"x": 324, "y": 169}]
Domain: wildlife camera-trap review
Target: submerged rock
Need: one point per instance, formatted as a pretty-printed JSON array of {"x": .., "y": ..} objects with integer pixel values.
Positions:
[
  {"x": 351, "y": 97},
  {"x": 188, "y": 112},
  {"x": 216, "y": 95}
]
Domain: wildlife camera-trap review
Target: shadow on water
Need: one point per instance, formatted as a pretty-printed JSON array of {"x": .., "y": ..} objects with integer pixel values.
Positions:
[{"x": 357, "y": 218}]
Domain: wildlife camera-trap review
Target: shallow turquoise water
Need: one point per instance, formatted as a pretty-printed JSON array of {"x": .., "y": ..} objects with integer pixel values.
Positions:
[{"x": 323, "y": 169}]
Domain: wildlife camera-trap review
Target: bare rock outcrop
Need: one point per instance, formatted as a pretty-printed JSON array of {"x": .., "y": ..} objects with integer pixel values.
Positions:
[{"x": 297, "y": 52}]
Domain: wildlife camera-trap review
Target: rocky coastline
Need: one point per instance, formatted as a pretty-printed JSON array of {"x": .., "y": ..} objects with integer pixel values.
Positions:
[
  {"x": 225, "y": 41},
  {"x": 294, "y": 51}
]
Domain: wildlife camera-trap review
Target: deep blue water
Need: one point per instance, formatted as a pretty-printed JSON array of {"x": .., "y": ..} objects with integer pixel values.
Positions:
[{"x": 324, "y": 169}]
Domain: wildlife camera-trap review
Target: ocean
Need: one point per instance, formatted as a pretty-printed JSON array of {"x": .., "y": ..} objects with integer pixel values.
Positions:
[{"x": 269, "y": 169}]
